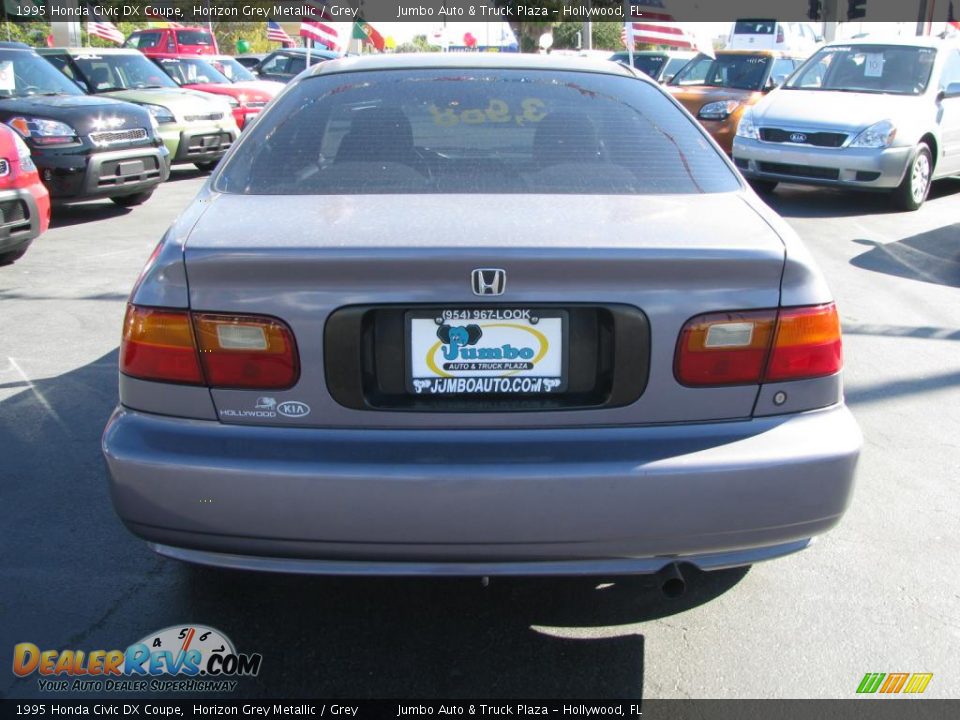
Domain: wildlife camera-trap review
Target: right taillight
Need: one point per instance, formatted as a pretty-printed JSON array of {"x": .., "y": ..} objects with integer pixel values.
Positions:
[
  {"x": 757, "y": 346},
  {"x": 220, "y": 351}
]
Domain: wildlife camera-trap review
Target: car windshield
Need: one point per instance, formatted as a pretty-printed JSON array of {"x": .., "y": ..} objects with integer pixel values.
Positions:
[
  {"x": 647, "y": 64},
  {"x": 192, "y": 71},
  {"x": 194, "y": 37},
  {"x": 737, "y": 70},
  {"x": 474, "y": 131},
  {"x": 233, "y": 70},
  {"x": 103, "y": 73},
  {"x": 22, "y": 73},
  {"x": 891, "y": 69}
]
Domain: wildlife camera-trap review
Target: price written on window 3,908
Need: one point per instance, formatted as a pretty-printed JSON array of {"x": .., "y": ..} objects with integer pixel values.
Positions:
[{"x": 497, "y": 111}]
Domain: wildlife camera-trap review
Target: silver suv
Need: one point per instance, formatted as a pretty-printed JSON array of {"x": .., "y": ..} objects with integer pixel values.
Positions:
[{"x": 869, "y": 115}]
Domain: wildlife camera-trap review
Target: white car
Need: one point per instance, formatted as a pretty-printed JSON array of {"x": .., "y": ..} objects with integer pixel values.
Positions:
[{"x": 768, "y": 34}]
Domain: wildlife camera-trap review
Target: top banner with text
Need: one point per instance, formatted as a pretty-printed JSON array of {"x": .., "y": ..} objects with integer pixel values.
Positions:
[{"x": 195, "y": 11}]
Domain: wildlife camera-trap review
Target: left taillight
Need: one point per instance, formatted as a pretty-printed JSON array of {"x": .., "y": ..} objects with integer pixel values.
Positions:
[
  {"x": 217, "y": 350},
  {"x": 757, "y": 346},
  {"x": 159, "y": 345}
]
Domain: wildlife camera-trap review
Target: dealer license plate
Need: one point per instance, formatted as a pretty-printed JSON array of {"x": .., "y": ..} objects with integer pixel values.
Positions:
[{"x": 486, "y": 351}]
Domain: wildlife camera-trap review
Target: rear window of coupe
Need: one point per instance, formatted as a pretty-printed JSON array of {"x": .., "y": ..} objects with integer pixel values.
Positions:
[{"x": 474, "y": 131}]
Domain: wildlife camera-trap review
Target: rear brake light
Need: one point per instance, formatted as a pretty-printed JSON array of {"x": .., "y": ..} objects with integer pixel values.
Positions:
[
  {"x": 158, "y": 345},
  {"x": 752, "y": 347},
  {"x": 246, "y": 351},
  {"x": 807, "y": 344},
  {"x": 725, "y": 348},
  {"x": 220, "y": 351}
]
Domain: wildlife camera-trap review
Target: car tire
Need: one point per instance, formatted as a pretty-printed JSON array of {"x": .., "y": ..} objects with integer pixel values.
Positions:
[
  {"x": 206, "y": 166},
  {"x": 913, "y": 191},
  {"x": 11, "y": 257},
  {"x": 763, "y": 187},
  {"x": 132, "y": 200}
]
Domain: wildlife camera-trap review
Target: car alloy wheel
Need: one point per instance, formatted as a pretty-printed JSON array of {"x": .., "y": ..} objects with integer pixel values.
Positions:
[{"x": 920, "y": 177}]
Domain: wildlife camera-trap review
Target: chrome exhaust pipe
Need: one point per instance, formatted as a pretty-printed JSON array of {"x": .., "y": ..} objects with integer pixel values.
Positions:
[{"x": 671, "y": 581}]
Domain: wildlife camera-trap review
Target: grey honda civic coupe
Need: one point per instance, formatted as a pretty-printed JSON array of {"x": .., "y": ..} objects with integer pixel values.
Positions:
[{"x": 476, "y": 315}]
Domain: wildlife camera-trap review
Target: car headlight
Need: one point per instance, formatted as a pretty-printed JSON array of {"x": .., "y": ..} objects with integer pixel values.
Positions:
[
  {"x": 44, "y": 132},
  {"x": 747, "y": 128},
  {"x": 878, "y": 135},
  {"x": 23, "y": 154},
  {"x": 718, "y": 110},
  {"x": 160, "y": 113}
]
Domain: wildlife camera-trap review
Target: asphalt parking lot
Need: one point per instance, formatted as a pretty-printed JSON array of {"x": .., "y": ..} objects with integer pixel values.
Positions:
[{"x": 878, "y": 594}]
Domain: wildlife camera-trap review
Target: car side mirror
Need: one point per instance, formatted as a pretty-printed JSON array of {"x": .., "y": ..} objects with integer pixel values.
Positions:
[{"x": 952, "y": 90}]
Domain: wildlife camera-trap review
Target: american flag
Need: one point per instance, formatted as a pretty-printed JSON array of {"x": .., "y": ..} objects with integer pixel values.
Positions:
[
  {"x": 277, "y": 33},
  {"x": 98, "y": 27},
  {"x": 655, "y": 26},
  {"x": 316, "y": 25}
]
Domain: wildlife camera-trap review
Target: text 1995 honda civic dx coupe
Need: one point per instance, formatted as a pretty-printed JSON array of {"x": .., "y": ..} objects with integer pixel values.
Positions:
[{"x": 479, "y": 315}]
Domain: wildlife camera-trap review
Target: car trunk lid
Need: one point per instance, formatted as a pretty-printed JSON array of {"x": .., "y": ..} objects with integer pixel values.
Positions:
[{"x": 303, "y": 258}]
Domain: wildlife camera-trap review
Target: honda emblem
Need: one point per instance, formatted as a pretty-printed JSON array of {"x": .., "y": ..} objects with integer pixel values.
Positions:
[{"x": 488, "y": 281}]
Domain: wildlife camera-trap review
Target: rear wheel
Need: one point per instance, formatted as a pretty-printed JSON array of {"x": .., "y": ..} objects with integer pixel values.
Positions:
[
  {"x": 132, "y": 200},
  {"x": 9, "y": 257},
  {"x": 207, "y": 166},
  {"x": 763, "y": 187},
  {"x": 913, "y": 191}
]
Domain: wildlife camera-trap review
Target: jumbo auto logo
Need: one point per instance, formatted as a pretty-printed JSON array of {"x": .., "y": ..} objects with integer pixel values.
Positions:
[
  {"x": 178, "y": 658},
  {"x": 515, "y": 347}
]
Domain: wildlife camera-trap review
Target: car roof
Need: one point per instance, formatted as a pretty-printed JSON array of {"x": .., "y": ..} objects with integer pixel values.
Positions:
[
  {"x": 764, "y": 51},
  {"x": 493, "y": 61},
  {"x": 649, "y": 53},
  {"x": 91, "y": 50},
  {"x": 917, "y": 41},
  {"x": 182, "y": 27}
]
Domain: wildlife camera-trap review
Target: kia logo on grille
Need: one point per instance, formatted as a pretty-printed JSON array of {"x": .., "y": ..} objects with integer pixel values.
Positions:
[
  {"x": 488, "y": 281},
  {"x": 798, "y": 138}
]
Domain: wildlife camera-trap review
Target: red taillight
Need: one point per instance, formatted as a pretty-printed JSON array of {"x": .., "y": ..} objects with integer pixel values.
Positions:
[
  {"x": 220, "y": 351},
  {"x": 752, "y": 347},
  {"x": 725, "y": 348},
  {"x": 246, "y": 351},
  {"x": 159, "y": 345},
  {"x": 807, "y": 344}
]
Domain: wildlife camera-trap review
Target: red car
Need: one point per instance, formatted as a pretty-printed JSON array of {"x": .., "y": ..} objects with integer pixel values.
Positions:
[
  {"x": 153, "y": 42},
  {"x": 246, "y": 98},
  {"x": 24, "y": 201}
]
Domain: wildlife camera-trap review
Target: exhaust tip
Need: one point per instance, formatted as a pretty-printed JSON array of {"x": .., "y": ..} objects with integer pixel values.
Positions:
[{"x": 672, "y": 584}]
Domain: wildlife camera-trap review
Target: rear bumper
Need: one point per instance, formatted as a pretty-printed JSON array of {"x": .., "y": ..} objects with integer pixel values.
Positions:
[
  {"x": 863, "y": 168},
  {"x": 577, "y": 501}
]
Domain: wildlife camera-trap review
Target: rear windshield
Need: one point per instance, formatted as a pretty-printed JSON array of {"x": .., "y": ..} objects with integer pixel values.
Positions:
[
  {"x": 891, "y": 69},
  {"x": 742, "y": 72},
  {"x": 194, "y": 37},
  {"x": 474, "y": 131},
  {"x": 754, "y": 27}
]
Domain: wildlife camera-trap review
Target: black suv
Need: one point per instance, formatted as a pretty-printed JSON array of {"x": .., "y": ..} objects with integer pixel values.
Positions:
[{"x": 84, "y": 147}]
